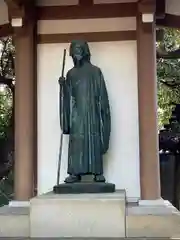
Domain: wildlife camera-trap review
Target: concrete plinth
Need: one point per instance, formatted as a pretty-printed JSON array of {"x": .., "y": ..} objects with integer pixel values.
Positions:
[
  {"x": 159, "y": 219},
  {"x": 78, "y": 215},
  {"x": 14, "y": 222}
]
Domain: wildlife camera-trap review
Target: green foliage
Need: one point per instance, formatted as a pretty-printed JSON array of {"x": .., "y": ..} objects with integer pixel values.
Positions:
[
  {"x": 165, "y": 97},
  {"x": 5, "y": 110},
  {"x": 6, "y": 189},
  {"x": 7, "y": 76},
  {"x": 171, "y": 39},
  {"x": 168, "y": 71},
  {"x": 7, "y": 54}
]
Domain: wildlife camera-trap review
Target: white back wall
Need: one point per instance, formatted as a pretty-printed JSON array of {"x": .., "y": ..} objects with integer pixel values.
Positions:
[
  {"x": 56, "y": 2},
  {"x": 118, "y": 62},
  {"x": 4, "y": 18},
  {"x": 173, "y": 7},
  {"x": 75, "y": 2},
  {"x": 87, "y": 25}
]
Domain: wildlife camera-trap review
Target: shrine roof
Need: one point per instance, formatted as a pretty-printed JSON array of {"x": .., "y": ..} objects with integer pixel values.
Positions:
[{"x": 170, "y": 15}]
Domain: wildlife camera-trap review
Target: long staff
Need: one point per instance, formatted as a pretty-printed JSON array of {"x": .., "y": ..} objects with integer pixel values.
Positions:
[{"x": 61, "y": 116}]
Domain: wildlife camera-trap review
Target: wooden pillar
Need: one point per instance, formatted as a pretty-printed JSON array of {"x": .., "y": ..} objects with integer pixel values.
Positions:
[
  {"x": 148, "y": 131},
  {"x": 25, "y": 113}
]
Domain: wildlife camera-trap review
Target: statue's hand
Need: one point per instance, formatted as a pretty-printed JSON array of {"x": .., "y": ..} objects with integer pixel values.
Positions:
[{"x": 61, "y": 80}]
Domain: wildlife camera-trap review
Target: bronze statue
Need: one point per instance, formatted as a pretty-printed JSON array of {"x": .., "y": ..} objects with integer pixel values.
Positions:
[{"x": 84, "y": 115}]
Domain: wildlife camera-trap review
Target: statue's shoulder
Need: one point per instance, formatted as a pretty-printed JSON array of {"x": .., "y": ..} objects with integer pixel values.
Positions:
[
  {"x": 71, "y": 72},
  {"x": 96, "y": 69}
]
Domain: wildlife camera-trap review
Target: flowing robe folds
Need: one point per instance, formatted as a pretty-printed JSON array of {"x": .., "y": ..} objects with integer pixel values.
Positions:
[{"x": 85, "y": 116}]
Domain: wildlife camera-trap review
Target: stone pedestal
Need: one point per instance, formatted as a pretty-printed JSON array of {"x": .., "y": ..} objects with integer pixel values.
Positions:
[
  {"x": 84, "y": 187},
  {"x": 78, "y": 215}
]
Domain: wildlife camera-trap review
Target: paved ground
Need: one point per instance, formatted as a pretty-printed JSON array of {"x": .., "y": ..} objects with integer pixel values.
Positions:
[{"x": 135, "y": 238}]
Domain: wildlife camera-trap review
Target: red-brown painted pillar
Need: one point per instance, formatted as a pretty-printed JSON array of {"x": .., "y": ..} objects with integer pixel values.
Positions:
[
  {"x": 25, "y": 128},
  {"x": 148, "y": 131}
]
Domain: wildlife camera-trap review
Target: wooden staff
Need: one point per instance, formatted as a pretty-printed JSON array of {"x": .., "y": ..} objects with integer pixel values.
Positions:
[{"x": 61, "y": 139}]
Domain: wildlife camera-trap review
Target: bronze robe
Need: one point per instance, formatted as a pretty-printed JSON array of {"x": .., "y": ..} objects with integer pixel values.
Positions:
[{"x": 85, "y": 116}]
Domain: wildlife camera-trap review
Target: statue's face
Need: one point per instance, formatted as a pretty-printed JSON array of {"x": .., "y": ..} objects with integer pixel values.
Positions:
[{"x": 77, "y": 52}]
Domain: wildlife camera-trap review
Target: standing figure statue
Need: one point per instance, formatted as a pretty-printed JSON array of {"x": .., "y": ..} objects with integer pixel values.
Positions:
[{"x": 84, "y": 115}]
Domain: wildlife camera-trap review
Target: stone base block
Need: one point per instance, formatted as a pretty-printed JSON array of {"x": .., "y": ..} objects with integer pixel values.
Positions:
[
  {"x": 153, "y": 221},
  {"x": 84, "y": 187},
  {"x": 78, "y": 215},
  {"x": 14, "y": 222}
]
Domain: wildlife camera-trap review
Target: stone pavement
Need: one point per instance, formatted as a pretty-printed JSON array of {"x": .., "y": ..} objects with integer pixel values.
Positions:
[
  {"x": 89, "y": 238},
  {"x": 138, "y": 225},
  {"x": 135, "y": 238}
]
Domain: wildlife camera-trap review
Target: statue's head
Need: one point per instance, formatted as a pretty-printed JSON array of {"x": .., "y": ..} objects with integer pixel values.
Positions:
[{"x": 79, "y": 51}]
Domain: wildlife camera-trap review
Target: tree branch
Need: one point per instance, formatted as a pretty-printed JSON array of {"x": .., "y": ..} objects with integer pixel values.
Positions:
[
  {"x": 168, "y": 55},
  {"x": 173, "y": 85},
  {"x": 2, "y": 60},
  {"x": 8, "y": 82}
]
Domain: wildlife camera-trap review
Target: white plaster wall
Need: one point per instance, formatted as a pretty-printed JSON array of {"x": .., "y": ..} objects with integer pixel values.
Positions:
[
  {"x": 118, "y": 62},
  {"x": 75, "y": 2},
  {"x": 112, "y": 1},
  {"x": 173, "y": 7},
  {"x": 56, "y": 2},
  {"x": 87, "y": 25},
  {"x": 3, "y": 13}
]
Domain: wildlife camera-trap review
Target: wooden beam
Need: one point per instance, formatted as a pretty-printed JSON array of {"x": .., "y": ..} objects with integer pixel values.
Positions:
[
  {"x": 147, "y": 6},
  {"x": 85, "y": 2},
  {"x": 14, "y": 3},
  {"x": 18, "y": 3},
  {"x": 20, "y": 8},
  {"x": 84, "y": 12},
  {"x": 15, "y": 9},
  {"x": 160, "y": 9},
  {"x": 6, "y": 30},
  {"x": 169, "y": 20},
  {"x": 90, "y": 37}
]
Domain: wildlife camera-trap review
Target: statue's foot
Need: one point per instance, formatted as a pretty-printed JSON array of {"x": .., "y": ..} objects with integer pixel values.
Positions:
[
  {"x": 99, "y": 178},
  {"x": 72, "y": 179}
]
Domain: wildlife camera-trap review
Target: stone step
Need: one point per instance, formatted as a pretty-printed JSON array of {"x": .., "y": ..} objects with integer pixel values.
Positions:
[
  {"x": 22, "y": 238},
  {"x": 99, "y": 238},
  {"x": 152, "y": 222},
  {"x": 78, "y": 215},
  {"x": 7, "y": 210},
  {"x": 14, "y": 222}
]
